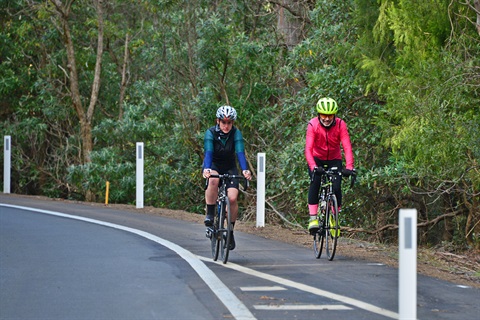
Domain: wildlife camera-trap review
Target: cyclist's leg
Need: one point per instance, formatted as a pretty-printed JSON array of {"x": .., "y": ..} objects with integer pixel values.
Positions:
[
  {"x": 337, "y": 181},
  {"x": 313, "y": 201},
  {"x": 233, "y": 196},
  {"x": 211, "y": 194},
  {"x": 232, "y": 191},
  {"x": 337, "y": 189}
]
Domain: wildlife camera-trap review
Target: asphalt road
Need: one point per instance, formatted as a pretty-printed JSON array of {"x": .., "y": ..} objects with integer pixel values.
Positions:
[{"x": 75, "y": 261}]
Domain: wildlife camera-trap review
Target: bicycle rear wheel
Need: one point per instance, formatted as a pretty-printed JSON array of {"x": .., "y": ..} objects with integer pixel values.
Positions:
[
  {"x": 215, "y": 240},
  {"x": 332, "y": 230},
  {"x": 227, "y": 227}
]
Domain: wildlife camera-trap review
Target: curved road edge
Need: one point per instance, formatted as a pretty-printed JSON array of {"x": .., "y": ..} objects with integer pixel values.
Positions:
[{"x": 238, "y": 310}]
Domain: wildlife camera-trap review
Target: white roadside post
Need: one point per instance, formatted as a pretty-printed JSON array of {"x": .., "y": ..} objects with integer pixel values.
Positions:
[
  {"x": 7, "y": 163},
  {"x": 261, "y": 190},
  {"x": 139, "y": 172},
  {"x": 407, "y": 266}
]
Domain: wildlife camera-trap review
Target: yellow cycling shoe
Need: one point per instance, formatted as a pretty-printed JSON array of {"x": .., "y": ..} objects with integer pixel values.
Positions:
[{"x": 313, "y": 226}]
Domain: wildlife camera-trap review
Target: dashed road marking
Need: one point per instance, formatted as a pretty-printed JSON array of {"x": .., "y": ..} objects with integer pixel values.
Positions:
[
  {"x": 299, "y": 307},
  {"x": 306, "y": 288},
  {"x": 264, "y": 288}
]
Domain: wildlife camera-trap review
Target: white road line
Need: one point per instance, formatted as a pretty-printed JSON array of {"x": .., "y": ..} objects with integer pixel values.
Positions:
[
  {"x": 272, "y": 288},
  {"x": 299, "y": 307},
  {"x": 238, "y": 310},
  {"x": 300, "y": 286}
]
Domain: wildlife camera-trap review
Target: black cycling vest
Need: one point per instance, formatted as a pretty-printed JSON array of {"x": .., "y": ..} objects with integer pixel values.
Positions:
[{"x": 223, "y": 148}]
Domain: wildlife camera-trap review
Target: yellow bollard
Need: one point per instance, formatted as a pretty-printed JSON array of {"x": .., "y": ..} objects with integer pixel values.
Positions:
[{"x": 106, "y": 193}]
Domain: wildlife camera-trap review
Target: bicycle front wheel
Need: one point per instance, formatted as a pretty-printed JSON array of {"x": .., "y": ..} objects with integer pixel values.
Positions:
[
  {"x": 332, "y": 231},
  {"x": 216, "y": 236},
  {"x": 318, "y": 239},
  {"x": 227, "y": 227}
]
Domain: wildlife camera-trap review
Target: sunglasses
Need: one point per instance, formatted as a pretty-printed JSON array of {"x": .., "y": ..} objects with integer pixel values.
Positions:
[{"x": 327, "y": 116}]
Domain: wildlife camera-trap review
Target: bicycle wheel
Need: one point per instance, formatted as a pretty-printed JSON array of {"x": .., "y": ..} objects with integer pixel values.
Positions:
[
  {"x": 332, "y": 230},
  {"x": 216, "y": 236},
  {"x": 227, "y": 227},
  {"x": 318, "y": 239}
]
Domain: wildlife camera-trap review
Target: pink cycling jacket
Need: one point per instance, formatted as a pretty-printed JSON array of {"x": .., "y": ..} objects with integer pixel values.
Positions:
[{"x": 324, "y": 143}]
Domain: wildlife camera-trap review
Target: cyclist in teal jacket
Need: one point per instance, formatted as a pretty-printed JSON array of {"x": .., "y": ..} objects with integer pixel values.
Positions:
[
  {"x": 223, "y": 142},
  {"x": 325, "y": 133}
]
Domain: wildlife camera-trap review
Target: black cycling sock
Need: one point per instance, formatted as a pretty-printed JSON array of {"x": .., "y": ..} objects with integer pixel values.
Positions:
[{"x": 211, "y": 210}]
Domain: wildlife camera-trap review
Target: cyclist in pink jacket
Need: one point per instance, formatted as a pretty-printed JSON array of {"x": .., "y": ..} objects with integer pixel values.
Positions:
[{"x": 325, "y": 133}]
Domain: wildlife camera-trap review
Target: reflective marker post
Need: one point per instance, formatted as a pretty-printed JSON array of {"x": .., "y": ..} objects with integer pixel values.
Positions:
[
  {"x": 139, "y": 187},
  {"x": 407, "y": 264},
  {"x": 7, "y": 163},
  {"x": 261, "y": 190}
]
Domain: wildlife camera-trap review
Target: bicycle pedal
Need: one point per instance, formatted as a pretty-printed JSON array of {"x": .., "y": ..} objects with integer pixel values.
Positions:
[{"x": 208, "y": 234}]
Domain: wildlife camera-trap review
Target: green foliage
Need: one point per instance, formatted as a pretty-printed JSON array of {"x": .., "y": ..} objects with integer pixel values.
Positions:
[{"x": 429, "y": 115}]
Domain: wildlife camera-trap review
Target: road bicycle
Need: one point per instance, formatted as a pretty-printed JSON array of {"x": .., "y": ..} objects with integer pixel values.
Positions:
[
  {"x": 328, "y": 215},
  {"x": 220, "y": 233}
]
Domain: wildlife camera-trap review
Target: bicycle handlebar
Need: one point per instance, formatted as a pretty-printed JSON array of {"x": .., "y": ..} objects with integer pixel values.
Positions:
[{"x": 334, "y": 171}]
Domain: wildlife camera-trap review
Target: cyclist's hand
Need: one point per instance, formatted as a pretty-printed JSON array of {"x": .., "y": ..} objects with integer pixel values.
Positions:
[
  {"x": 207, "y": 173},
  {"x": 348, "y": 172},
  {"x": 247, "y": 174},
  {"x": 318, "y": 171}
]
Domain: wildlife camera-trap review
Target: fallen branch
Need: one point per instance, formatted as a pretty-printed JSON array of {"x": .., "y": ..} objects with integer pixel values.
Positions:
[{"x": 281, "y": 215}]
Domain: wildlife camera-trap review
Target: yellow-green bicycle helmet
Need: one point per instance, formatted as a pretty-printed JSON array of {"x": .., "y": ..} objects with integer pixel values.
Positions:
[{"x": 327, "y": 106}]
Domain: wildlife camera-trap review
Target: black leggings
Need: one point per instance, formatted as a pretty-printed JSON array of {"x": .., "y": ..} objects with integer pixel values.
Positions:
[{"x": 315, "y": 183}]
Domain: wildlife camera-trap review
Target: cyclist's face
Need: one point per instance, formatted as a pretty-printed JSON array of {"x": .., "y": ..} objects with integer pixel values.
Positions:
[
  {"x": 326, "y": 119},
  {"x": 225, "y": 125}
]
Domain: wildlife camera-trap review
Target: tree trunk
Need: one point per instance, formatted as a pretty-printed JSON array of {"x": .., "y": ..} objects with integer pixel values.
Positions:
[
  {"x": 472, "y": 226},
  {"x": 476, "y": 3},
  {"x": 290, "y": 22},
  {"x": 85, "y": 118},
  {"x": 123, "y": 85}
]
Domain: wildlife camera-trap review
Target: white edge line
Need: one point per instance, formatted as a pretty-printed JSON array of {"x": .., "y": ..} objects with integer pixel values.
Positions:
[
  {"x": 238, "y": 310},
  {"x": 357, "y": 303}
]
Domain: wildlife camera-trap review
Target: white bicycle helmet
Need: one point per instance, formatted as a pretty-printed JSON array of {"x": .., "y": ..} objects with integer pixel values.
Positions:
[{"x": 226, "y": 112}]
